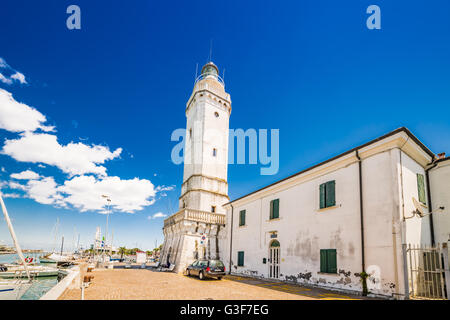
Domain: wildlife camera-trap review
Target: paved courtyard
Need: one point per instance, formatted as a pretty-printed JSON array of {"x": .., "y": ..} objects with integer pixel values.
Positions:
[{"x": 143, "y": 284}]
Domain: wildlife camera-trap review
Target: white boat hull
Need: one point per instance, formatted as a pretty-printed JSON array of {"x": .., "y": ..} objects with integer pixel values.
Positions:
[
  {"x": 13, "y": 290},
  {"x": 17, "y": 271}
]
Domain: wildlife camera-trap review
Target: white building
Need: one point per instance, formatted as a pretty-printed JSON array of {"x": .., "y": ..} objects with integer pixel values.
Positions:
[
  {"x": 325, "y": 225},
  {"x": 346, "y": 219},
  {"x": 194, "y": 231}
]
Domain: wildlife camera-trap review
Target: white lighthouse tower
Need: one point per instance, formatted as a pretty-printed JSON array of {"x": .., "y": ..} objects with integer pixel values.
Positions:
[{"x": 194, "y": 231}]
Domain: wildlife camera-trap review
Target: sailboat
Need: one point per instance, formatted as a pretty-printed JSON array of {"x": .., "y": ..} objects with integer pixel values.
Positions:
[{"x": 14, "y": 289}]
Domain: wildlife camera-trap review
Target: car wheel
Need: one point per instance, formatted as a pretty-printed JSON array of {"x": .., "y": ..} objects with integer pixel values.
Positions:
[
  {"x": 219, "y": 278},
  {"x": 188, "y": 272},
  {"x": 201, "y": 276}
]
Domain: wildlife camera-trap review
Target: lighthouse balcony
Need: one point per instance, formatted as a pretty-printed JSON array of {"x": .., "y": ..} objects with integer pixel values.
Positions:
[{"x": 195, "y": 215}]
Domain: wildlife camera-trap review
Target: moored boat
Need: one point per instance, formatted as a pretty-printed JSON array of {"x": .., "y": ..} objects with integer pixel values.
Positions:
[
  {"x": 13, "y": 289},
  {"x": 18, "y": 271}
]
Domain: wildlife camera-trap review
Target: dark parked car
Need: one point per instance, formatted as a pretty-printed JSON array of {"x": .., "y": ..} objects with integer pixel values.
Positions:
[{"x": 206, "y": 269}]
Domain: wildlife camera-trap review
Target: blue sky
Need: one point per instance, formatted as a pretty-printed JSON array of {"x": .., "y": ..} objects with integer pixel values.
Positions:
[{"x": 311, "y": 69}]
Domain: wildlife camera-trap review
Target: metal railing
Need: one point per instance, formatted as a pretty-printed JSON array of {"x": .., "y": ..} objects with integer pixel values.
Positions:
[
  {"x": 429, "y": 274},
  {"x": 204, "y": 76},
  {"x": 195, "y": 215}
]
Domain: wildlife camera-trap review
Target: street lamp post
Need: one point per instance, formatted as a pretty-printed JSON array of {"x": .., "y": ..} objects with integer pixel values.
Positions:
[{"x": 108, "y": 203}]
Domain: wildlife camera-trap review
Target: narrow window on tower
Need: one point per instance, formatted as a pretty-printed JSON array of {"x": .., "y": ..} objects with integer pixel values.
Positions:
[
  {"x": 213, "y": 208},
  {"x": 214, "y": 152},
  {"x": 190, "y": 133}
]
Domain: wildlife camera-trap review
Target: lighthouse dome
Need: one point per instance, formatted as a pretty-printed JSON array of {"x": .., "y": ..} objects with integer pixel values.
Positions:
[{"x": 210, "y": 69}]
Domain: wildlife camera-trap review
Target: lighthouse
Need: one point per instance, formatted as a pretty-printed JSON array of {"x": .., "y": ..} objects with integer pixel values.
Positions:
[{"x": 194, "y": 231}]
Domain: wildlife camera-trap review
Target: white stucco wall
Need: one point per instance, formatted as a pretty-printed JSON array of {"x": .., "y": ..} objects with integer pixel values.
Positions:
[
  {"x": 440, "y": 197},
  {"x": 417, "y": 229},
  {"x": 303, "y": 229}
]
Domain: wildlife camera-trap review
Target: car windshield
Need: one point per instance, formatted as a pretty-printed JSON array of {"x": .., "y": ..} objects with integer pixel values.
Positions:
[{"x": 216, "y": 264}]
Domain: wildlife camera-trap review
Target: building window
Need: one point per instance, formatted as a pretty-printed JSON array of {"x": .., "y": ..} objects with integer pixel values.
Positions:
[
  {"x": 214, "y": 152},
  {"x": 216, "y": 114},
  {"x": 327, "y": 194},
  {"x": 240, "y": 258},
  {"x": 190, "y": 133},
  {"x": 242, "y": 218},
  {"x": 421, "y": 188},
  {"x": 328, "y": 262},
  {"x": 213, "y": 208},
  {"x": 275, "y": 209}
]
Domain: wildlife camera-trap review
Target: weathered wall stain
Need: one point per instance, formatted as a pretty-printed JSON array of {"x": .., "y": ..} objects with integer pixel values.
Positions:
[
  {"x": 304, "y": 246},
  {"x": 351, "y": 249}
]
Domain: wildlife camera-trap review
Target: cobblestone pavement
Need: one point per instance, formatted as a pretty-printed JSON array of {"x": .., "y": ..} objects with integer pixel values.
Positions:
[{"x": 143, "y": 284}]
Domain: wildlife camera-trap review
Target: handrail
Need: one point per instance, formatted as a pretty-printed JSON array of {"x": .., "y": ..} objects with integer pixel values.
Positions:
[
  {"x": 195, "y": 215},
  {"x": 204, "y": 76}
]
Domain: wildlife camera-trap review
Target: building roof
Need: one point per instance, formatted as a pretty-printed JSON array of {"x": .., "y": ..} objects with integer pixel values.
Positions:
[
  {"x": 402, "y": 129},
  {"x": 442, "y": 160}
]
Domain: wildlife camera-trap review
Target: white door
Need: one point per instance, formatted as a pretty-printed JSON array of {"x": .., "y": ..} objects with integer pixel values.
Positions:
[{"x": 274, "y": 259}]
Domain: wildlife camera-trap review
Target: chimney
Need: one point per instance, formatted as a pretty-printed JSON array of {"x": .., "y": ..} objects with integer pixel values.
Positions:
[{"x": 441, "y": 155}]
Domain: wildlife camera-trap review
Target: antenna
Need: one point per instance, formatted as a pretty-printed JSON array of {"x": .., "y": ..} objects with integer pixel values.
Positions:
[
  {"x": 196, "y": 72},
  {"x": 223, "y": 75},
  {"x": 170, "y": 205},
  {"x": 210, "y": 50},
  {"x": 420, "y": 209}
]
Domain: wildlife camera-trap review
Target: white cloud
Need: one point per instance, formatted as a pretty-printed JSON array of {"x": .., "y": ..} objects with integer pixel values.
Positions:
[
  {"x": 15, "y": 185},
  {"x": 4, "y": 79},
  {"x": 25, "y": 175},
  {"x": 157, "y": 215},
  {"x": 165, "y": 188},
  {"x": 73, "y": 158},
  {"x": 11, "y": 195},
  {"x": 82, "y": 162},
  {"x": 19, "y": 77},
  {"x": 18, "y": 117},
  {"x": 44, "y": 191},
  {"x": 3, "y": 63},
  {"x": 84, "y": 193}
]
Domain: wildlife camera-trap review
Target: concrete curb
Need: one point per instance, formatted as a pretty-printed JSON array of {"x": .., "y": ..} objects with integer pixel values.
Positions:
[{"x": 59, "y": 289}]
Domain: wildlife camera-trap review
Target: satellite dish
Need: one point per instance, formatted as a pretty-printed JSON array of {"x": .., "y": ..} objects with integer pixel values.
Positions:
[{"x": 420, "y": 208}]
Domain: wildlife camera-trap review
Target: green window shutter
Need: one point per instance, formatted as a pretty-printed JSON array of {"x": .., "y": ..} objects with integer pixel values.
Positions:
[
  {"x": 240, "y": 258},
  {"x": 242, "y": 218},
  {"x": 276, "y": 208},
  {"x": 271, "y": 210},
  {"x": 323, "y": 260},
  {"x": 322, "y": 196},
  {"x": 421, "y": 188},
  {"x": 331, "y": 261},
  {"x": 330, "y": 197}
]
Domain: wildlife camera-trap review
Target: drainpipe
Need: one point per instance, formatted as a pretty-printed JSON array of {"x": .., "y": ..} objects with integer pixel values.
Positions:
[
  {"x": 231, "y": 237},
  {"x": 429, "y": 201},
  {"x": 361, "y": 212}
]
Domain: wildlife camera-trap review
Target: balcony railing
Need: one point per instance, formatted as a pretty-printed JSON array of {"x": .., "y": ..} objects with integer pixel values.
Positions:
[{"x": 195, "y": 215}]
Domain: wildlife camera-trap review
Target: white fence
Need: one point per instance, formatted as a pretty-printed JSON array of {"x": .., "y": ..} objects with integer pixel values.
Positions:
[{"x": 428, "y": 272}]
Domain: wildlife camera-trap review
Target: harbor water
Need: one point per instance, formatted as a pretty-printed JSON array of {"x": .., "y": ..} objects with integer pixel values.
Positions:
[{"x": 40, "y": 285}]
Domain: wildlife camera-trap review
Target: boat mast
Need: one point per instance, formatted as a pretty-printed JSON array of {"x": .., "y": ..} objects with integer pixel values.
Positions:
[
  {"x": 56, "y": 235},
  {"x": 13, "y": 236},
  {"x": 62, "y": 245}
]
